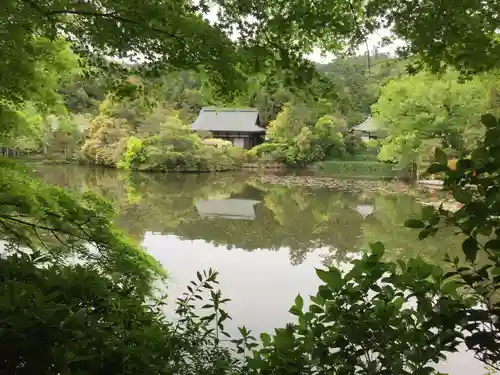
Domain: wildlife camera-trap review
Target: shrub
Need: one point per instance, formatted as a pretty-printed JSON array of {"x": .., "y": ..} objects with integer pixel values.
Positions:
[
  {"x": 354, "y": 144},
  {"x": 270, "y": 151},
  {"x": 166, "y": 146},
  {"x": 106, "y": 141},
  {"x": 405, "y": 321},
  {"x": 133, "y": 154},
  {"x": 296, "y": 140},
  {"x": 372, "y": 146}
]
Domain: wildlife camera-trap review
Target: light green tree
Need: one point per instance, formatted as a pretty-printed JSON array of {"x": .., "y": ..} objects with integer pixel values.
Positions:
[{"x": 425, "y": 110}]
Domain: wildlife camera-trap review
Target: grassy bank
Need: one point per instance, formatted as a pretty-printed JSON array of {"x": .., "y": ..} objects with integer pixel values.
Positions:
[{"x": 354, "y": 168}]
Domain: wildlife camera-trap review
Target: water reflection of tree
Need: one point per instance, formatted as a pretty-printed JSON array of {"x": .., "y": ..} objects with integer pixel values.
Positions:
[
  {"x": 386, "y": 226},
  {"x": 299, "y": 219}
]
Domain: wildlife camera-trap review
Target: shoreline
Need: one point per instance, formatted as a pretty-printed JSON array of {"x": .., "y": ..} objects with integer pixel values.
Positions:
[{"x": 423, "y": 194}]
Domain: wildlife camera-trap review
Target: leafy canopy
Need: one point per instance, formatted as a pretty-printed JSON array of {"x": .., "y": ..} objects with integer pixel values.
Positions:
[{"x": 423, "y": 111}]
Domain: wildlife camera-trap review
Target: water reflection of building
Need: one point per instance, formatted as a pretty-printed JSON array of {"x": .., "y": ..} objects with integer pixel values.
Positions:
[
  {"x": 365, "y": 210},
  {"x": 240, "y": 209}
]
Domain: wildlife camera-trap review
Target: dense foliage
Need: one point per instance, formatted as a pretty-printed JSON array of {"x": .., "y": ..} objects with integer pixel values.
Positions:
[
  {"x": 474, "y": 183},
  {"x": 72, "y": 283},
  {"x": 424, "y": 111},
  {"x": 158, "y": 141},
  {"x": 95, "y": 119},
  {"x": 296, "y": 137}
]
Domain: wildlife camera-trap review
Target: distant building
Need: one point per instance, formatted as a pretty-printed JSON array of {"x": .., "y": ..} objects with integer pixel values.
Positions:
[
  {"x": 239, "y": 126},
  {"x": 369, "y": 129}
]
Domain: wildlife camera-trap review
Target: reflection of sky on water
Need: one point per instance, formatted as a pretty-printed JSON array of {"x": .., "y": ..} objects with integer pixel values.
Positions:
[
  {"x": 262, "y": 285},
  {"x": 269, "y": 257},
  {"x": 365, "y": 210}
]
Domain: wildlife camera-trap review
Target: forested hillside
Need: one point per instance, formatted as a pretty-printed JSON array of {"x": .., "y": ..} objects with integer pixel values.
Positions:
[{"x": 132, "y": 121}]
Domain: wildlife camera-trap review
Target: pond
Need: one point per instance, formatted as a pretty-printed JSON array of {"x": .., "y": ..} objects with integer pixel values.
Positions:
[{"x": 265, "y": 240}]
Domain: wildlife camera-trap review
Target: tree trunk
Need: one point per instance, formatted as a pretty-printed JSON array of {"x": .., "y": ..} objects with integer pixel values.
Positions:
[{"x": 413, "y": 173}]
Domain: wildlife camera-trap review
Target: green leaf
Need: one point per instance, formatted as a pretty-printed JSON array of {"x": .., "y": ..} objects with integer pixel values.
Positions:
[
  {"x": 450, "y": 287},
  {"x": 493, "y": 244},
  {"x": 492, "y": 137},
  {"x": 318, "y": 300},
  {"x": 438, "y": 168},
  {"x": 489, "y": 120},
  {"x": 377, "y": 248},
  {"x": 325, "y": 292},
  {"x": 462, "y": 196},
  {"x": 332, "y": 277},
  {"x": 414, "y": 223},
  {"x": 424, "y": 234},
  {"x": 299, "y": 302},
  {"x": 284, "y": 339},
  {"x": 440, "y": 157},
  {"x": 427, "y": 212},
  {"x": 464, "y": 165},
  {"x": 315, "y": 309},
  {"x": 434, "y": 220},
  {"x": 479, "y": 155},
  {"x": 469, "y": 247},
  {"x": 295, "y": 311},
  {"x": 266, "y": 339}
]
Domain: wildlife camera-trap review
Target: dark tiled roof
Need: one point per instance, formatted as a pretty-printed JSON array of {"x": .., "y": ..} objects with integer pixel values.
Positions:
[{"x": 228, "y": 119}]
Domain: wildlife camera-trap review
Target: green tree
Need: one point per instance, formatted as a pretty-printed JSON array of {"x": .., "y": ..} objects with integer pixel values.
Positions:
[
  {"x": 328, "y": 132},
  {"x": 424, "y": 110},
  {"x": 106, "y": 140},
  {"x": 298, "y": 137}
]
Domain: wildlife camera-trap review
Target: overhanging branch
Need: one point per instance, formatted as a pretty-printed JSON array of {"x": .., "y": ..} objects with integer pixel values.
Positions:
[{"x": 110, "y": 16}]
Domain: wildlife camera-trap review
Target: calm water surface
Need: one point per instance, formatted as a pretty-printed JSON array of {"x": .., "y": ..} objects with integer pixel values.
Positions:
[{"x": 264, "y": 240}]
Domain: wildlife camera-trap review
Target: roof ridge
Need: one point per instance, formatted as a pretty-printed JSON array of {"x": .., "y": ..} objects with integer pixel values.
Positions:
[{"x": 222, "y": 109}]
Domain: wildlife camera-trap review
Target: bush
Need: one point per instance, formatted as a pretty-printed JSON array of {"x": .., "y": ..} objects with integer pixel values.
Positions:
[
  {"x": 402, "y": 316},
  {"x": 106, "y": 141},
  {"x": 133, "y": 154},
  {"x": 270, "y": 151},
  {"x": 298, "y": 142},
  {"x": 162, "y": 143},
  {"x": 354, "y": 144},
  {"x": 372, "y": 146},
  {"x": 181, "y": 150}
]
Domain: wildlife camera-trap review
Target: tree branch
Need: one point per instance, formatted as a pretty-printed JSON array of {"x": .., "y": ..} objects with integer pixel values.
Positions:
[
  {"x": 354, "y": 18},
  {"x": 35, "y": 226},
  {"x": 110, "y": 16}
]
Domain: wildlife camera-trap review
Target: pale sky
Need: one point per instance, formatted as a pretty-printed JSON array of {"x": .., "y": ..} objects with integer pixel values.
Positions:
[{"x": 373, "y": 40}]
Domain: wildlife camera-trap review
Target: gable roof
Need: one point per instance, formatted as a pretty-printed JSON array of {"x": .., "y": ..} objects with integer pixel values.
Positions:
[
  {"x": 369, "y": 125},
  {"x": 228, "y": 119}
]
